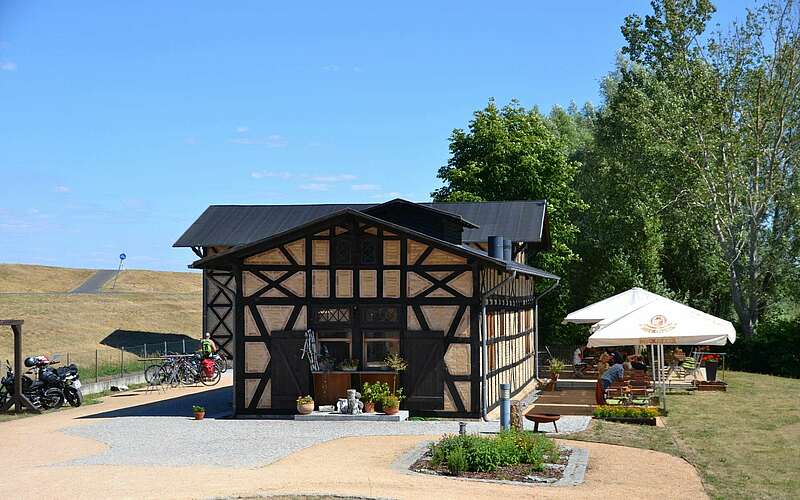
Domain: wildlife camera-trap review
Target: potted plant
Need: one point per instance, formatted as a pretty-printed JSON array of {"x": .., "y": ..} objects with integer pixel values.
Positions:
[
  {"x": 199, "y": 412},
  {"x": 305, "y": 405},
  {"x": 372, "y": 394},
  {"x": 556, "y": 367},
  {"x": 711, "y": 362},
  {"x": 396, "y": 363},
  {"x": 349, "y": 365},
  {"x": 391, "y": 405}
]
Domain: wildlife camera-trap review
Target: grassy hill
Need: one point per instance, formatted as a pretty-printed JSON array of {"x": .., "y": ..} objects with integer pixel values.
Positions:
[
  {"x": 20, "y": 278},
  {"x": 145, "y": 306}
]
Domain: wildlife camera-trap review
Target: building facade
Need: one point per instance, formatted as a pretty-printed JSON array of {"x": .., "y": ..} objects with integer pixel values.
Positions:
[{"x": 395, "y": 278}]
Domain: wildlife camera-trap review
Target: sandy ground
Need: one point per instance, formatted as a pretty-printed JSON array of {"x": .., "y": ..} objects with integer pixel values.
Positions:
[{"x": 33, "y": 449}]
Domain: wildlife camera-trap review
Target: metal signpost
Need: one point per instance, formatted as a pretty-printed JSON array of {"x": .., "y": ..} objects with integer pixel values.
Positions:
[{"x": 122, "y": 257}]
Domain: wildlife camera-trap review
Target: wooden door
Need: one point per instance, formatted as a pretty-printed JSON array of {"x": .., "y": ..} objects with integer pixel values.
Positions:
[
  {"x": 290, "y": 373},
  {"x": 424, "y": 378}
]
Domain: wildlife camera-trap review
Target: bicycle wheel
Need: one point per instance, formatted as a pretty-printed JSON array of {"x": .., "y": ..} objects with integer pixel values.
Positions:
[
  {"x": 187, "y": 375},
  {"x": 152, "y": 374},
  {"x": 213, "y": 379},
  {"x": 222, "y": 362}
]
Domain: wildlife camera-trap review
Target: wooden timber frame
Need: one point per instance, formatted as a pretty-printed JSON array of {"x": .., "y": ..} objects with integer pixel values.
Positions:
[
  {"x": 261, "y": 299},
  {"x": 18, "y": 398}
]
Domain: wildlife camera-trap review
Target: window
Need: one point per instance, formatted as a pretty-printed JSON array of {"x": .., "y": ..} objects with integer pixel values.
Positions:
[
  {"x": 369, "y": 251},
  {"x": 377, "y": 344},
  {"x": 342, "y": 252},
  {"x": 335, "y": 345},
  {"x": 380, "y": 315},
  {"x": 327, "y": 315}
]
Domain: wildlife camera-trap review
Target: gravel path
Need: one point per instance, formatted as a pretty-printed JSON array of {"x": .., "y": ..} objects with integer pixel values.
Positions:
[
  {"x": 95, "y": 282},
  {"x": 178, "y": 441}
]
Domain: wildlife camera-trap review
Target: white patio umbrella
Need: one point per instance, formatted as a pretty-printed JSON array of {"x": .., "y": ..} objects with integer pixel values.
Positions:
[
  {"x": 662, "y": 322},
  {"x": 658, "y": 323},
  {"x": 612, "y": 307}
]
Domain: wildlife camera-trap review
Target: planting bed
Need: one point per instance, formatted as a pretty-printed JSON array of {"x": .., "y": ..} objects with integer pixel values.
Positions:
[
  {"x": 524, "y": 473},
  {"x": 520, "y": 456}
]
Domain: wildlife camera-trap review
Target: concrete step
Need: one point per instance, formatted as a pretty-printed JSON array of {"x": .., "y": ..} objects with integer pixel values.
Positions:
[{"x": 576, "y": 383}]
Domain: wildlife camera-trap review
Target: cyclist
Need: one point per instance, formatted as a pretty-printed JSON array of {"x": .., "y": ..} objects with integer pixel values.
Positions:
[{"x": 207, "y": 346}]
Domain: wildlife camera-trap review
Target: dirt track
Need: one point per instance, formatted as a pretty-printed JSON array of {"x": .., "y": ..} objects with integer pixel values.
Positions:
[{"x": 350, "y": 466}]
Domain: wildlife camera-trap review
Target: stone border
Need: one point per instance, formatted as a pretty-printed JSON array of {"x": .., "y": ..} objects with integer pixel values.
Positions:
[{"x": 574, "y": 471}]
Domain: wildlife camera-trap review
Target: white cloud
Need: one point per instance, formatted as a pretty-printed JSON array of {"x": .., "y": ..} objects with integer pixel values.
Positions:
[
  {"x": 266, "y": 174},
  {"x": 62, "y": 189},
  {"x": 315, "y": 186},
  {"x": 332, "y": 177},
  {"x": 8, "y": 66},
  {"x": 271, "y": 141},
  {"x": 365, "y": 187},
  {"x": 331, "y": 68},
  {"x": 242, "y": 130}
]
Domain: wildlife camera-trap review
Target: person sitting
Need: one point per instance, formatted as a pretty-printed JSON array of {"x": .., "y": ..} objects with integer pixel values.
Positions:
[
  {"x": 627, "y": 363},
  {"x": 614, "y": 373},
  {"x": 578, "y": 365},
  {"x": 602, "y": 362},
  {"x": 639, "y": 363}
]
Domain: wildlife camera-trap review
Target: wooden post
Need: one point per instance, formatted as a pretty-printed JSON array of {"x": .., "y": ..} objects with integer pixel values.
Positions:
[
  {"x": 122, "y": 361},
  {"x": 18, "y": 400},
  {"x": 96, "y": 366}
]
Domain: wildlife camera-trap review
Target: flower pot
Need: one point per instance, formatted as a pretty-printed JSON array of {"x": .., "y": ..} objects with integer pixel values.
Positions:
[
  {"x": 305, "y": 408},
  {"x": 553, "y": 380},
  {"x": 199, "y": 415},
  {"x": 391, "y": 410},
  {"x": 711, "y": 371},
  {"x": 369, "y": 406}
]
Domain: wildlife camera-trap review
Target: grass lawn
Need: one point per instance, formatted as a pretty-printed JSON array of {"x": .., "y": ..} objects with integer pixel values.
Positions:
[
  {"x": 21, "y": 278},
  {"x": 745, "y": 442},
  {"x": 137, "y": 281}
]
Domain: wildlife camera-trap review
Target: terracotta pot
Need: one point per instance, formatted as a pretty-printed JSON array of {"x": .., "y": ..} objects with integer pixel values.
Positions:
[
  {"x": 305, "y": 408},
  {"x": 369, "y": 406},
  {"x": 199, "y": 415},
  {"x": 391, "y": 411}
]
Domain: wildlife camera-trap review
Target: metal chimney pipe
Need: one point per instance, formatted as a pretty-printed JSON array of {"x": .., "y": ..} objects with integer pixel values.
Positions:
[
  {"x": 507, "y": 250},
  {"x": 496, "y": 247}
]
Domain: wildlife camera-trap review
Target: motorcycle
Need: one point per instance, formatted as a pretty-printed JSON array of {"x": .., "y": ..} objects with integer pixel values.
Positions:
[
  {"x": 44, "y": 393},
  {"x": 71, "y": 384}
]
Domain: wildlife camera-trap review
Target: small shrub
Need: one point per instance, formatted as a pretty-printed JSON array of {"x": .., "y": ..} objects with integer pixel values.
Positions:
[
  {"x": 375, "y": 393},
  {"x": 608, "y": 411},
  {"x": 198, "y": 409},
  {"x": 486, "y": 454},
  {"x": 457, "y": 461}
]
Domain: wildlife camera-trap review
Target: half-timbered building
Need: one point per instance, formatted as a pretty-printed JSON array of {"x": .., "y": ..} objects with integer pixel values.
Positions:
[{"x": 445, "y": 285}]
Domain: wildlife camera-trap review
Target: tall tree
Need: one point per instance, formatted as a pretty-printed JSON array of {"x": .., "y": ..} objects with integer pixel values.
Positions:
[
  {"x": 726, "y": 110},
  {"x": 512, "y": 153}
]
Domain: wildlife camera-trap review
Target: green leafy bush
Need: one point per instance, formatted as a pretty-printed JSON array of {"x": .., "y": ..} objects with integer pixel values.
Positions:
[
  {"x": 486, "y": 454},
  {"x": 457, "y": 461},
  {"x": 607, "y": 411},
  {"x": 375, "y": 393}
]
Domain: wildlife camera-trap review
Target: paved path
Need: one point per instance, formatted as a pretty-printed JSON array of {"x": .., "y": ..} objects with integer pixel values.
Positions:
[
  {"x": 76, "y": 465},
  {"x": 95, "y": 282}
]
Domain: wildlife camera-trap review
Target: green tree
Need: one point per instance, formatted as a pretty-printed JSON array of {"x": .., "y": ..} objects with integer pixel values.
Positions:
[
  {"x": 724, "y": 111},
  {"x": 511, "y": 153}
]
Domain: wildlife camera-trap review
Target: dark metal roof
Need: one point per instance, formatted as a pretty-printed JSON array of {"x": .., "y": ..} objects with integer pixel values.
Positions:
[
  {"x": 250, "y": 248},
  {"x": 232, "y": 225}
]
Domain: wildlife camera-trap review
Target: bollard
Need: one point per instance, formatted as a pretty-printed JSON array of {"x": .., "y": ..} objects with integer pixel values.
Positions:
[
  {"x": 183, "y": 343},
  {"x": 462, "y": 428},
  {"x": 505, "y": 406}
]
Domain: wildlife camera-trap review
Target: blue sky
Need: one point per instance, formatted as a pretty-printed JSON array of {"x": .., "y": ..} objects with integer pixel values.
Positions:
[{"x": 121, "y": 121}]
